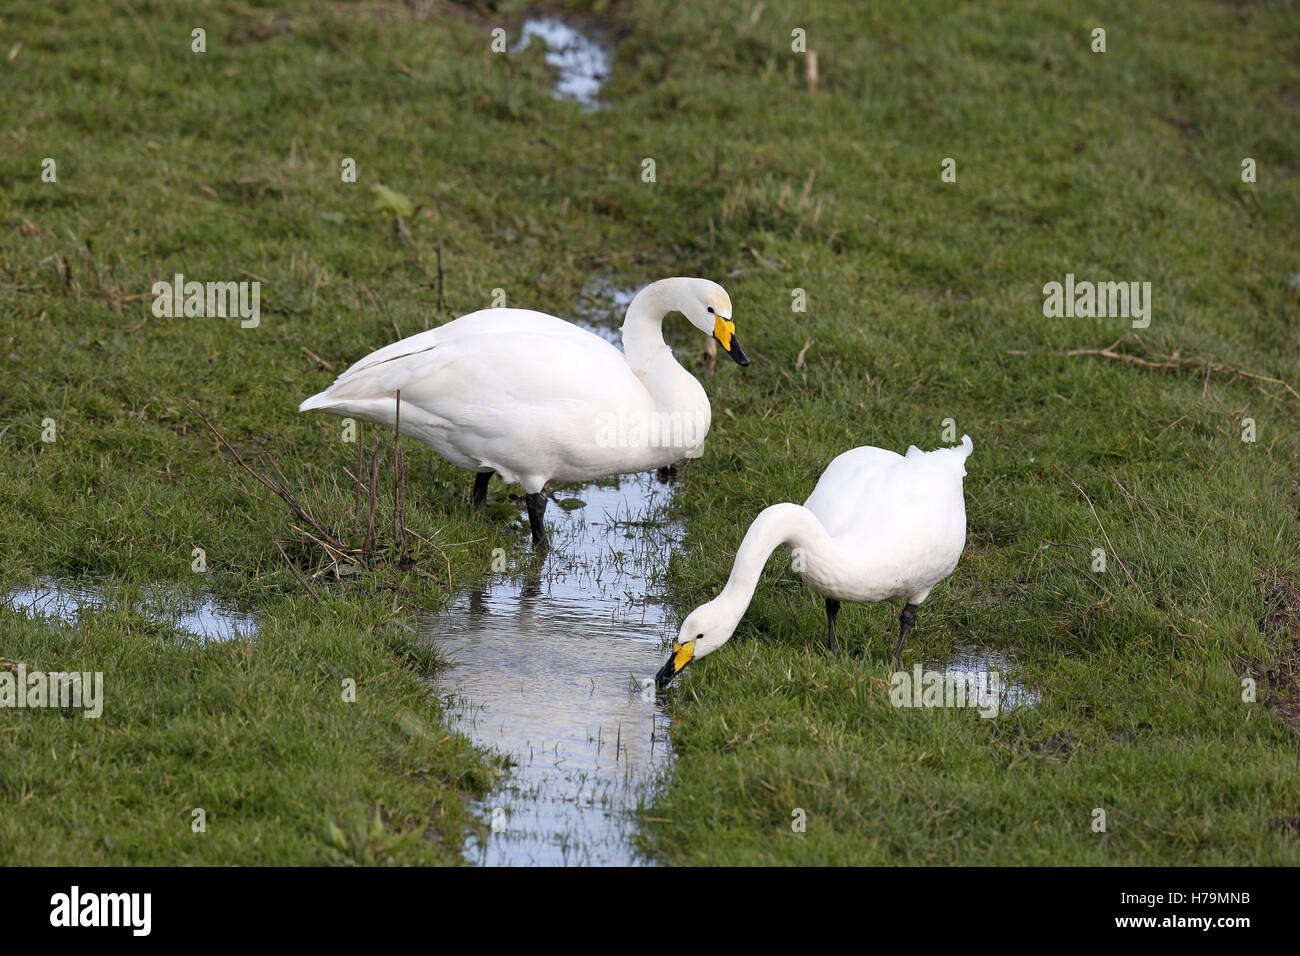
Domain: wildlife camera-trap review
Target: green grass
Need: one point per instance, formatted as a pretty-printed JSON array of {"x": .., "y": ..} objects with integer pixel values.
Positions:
[
  {"x": 255, "y": 734},
  {"x": 924, "y": 303}
]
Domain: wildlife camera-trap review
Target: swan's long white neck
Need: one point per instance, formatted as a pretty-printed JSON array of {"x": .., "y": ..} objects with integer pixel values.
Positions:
[
  {"x": 643, "y": 327},
  {"x": 785, "y": 524}
]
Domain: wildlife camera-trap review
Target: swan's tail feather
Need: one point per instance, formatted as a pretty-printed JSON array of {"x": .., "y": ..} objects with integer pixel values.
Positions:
[
  {"x": 960, "y": 452},
  {"x": 321, "y": 400},
  {"x": 953, "y": 457},
  {"x": 958, "y": 455}
]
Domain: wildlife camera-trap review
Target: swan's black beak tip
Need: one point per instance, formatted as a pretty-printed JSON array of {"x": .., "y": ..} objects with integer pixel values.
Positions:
[
  {"x": 736, "y": 352},
  {"x": 682, "y": 655},
  {"x": 724, "y": 330}
]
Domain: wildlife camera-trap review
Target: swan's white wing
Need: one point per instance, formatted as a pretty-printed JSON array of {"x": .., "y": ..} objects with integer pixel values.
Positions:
[
  {"x": 529, "y": 405},
  {"x": 846, "y": 487},
  {"x": 506, "y": 322},
  {"x": 526, "y": 367},
  {"x": 908, "y": 511}
]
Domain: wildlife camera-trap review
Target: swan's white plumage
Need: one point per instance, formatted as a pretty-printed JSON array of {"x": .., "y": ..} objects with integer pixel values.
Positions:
[
  {"x": 526, "y": 394},
  {"x": 877, "y": 526},
  {"x": 897, "y": 523},
  {"x": 372, "y": 373}
]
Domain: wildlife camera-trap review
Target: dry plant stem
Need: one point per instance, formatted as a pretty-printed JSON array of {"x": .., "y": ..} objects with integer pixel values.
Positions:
[
  {"x": 1128, "y": 499},
  {"x": 335, "y": 555},
  {"x": 441, "y": 307},
  {"x": 328, "y": 366},
  {"x": 1176, "y": 364},
  {"x": 1110, "y": 547},
  {"x": 284, "y": 480},
  {"x": 398, "y": 532},
  {"x": 445, "y": 559},
  {"x": 374, "y": 485},
  {"x": 356, "y": 498},
  {"x": 1063, "y": 544},
  {"x": 301, "y": 579},
  {"x": 287, "y": 498}
]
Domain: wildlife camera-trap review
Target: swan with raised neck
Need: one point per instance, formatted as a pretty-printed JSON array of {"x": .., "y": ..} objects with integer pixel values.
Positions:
[{"x": 534, "y": 398}]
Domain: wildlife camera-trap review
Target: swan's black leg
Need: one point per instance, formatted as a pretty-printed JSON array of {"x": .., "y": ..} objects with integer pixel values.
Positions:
[
  {"x": 832, "y": 611},
  {"x": 905, "y": 622},
  {"x": 479, "y": 500},
  {"x": 536, "y": 510}
]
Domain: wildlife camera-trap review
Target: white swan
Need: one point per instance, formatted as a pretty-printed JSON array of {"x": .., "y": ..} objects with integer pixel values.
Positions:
[
  {"x": 535, "y": 398},
  {"x": 879, "y": 525}
]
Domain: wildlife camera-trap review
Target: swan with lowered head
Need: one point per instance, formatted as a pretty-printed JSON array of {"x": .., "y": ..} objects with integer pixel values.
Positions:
[
  {"x": 878, "y": 526},
  {"x": 534, "y": 398}
]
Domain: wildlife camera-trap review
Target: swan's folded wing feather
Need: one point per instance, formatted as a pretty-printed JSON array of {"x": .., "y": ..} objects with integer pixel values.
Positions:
[
  {"x": 504, "y": 322},
  {"x": 533, "y": 411},
  {"x": 874, "y": 495},
  {"x": 492, "y": 370},
  {"x": 847, "y": 488}
]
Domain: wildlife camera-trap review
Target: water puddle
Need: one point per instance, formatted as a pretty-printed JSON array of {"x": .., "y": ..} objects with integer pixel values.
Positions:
[
  {"x": 601, "y": 308},
  {"x": 971, "y": 665},
  {"x": 546, "y": 666},
  {"x": 582, "y": 65},
  {"x": 203, "y": 617}
]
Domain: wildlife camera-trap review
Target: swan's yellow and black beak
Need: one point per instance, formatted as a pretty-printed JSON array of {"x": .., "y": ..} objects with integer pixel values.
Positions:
[
  {"x": 680, "y": 657},
  {"x": 724, "y": 330}
]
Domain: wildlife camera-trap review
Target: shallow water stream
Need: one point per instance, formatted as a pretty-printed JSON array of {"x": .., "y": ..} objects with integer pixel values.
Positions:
[{"x": 546, "y": 667}]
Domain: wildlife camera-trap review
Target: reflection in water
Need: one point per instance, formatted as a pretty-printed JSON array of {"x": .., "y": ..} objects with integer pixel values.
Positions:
[
  {"x": 201, "y": 617},
  {"x": 601, "y": 308},
  {"x": 972, "y": 665},
  {"x": 547, "y": 665},
  {"x": 581, "y": 63}
]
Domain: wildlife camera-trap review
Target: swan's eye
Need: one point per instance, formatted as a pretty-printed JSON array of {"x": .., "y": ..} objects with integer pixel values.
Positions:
[{"x": 710, "y": 310}]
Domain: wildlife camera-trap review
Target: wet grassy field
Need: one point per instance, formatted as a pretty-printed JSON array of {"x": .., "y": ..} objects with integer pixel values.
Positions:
[{"x": 923, "y": 303}]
